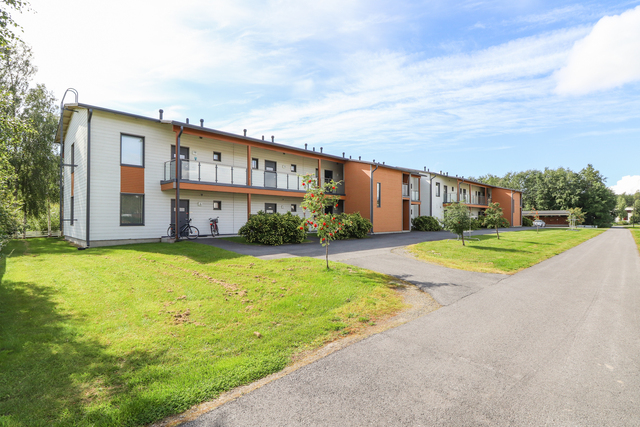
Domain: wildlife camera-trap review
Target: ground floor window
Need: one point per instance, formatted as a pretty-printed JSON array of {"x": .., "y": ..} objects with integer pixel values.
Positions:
[
  {"x": 217, "y": 205},
  {"x": 72, "y": 212},
  {"x": 270, "y": 208},
  {"x": 131, "y": 209},
  {"x": 294, "y": 208}
]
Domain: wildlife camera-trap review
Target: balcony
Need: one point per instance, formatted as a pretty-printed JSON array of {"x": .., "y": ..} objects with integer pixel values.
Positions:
[
  {"x": 213, "y": 173},
  {"x": 206, "y": 172},
  {"x": 405, "y": 190},
  {"x": 415, "y": 196},
  {"x": 466, "y": 199}
]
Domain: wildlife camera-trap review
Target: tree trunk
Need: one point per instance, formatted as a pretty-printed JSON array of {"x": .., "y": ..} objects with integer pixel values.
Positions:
[
  {"x": 497, "y": 232},
  {"x": 463, "y": 239},
  {"x": 24, "y": 225},
  {"x": 48, "y": 218},
  {"x": 327, "y": 255}
]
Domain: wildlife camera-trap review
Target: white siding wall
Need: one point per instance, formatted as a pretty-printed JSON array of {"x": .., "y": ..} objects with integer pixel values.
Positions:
[
  {"x": 76, "y": 136},
  {"x": 284, "y": 204},
  {"x": 105, "y": 176},
  {"x": 232, "y": 216}
]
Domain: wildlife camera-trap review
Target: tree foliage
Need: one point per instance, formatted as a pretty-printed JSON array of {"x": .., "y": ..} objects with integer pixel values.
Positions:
[
  {"x": 8, "y": 25},
  {"x": 30, "y": 151},
  {"x": 576, "y": 216},
  {"x": 457, "y": 219},
  {"x": 319, "y": 202},
  {"x": 561, "y": 189},
  {"x": 493, "y": 217},
  {"x": 635, "y": 217}
]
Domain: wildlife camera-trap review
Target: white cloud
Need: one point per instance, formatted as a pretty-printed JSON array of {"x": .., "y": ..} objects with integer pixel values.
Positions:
[
  {"x": 628, "y": 184},
  {"x": 606, "y": 58}
]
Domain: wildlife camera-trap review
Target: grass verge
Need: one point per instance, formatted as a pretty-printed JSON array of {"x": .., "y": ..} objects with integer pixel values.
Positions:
[
  {"x": 514, "y": 251},
  {"x": 129, "y": 335},
  {"x": 635, "y": 232}
]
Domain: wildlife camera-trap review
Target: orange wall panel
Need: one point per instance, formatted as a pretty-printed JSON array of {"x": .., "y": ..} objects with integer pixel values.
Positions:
[
  {"x": 131, "y": 180},
  {"x": 357, "y": 187},
  {"x": 388, "y": 217}
]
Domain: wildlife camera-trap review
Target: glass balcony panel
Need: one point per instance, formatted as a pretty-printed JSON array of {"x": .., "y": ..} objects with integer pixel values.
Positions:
[
  {"x": 208, "y": 172},
  {"x": 270, "y": 179},
  {"x": 405, "y": 190}
]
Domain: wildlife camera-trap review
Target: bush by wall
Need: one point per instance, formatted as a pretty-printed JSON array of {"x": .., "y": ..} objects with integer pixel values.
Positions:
[
  {"x": 274, "y": 229},
  {"x": 425, "y": 223},
  {"x": 527, "y": 222},
  {"x": 355, "y": 226}
]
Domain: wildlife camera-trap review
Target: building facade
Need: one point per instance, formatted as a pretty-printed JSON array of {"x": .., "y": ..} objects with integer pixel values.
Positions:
[{"x": 121, "y": 178}]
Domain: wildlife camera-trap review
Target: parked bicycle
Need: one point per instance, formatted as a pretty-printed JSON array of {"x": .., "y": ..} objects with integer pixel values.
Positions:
[
  {"x": 213, "y": 222},
  {"x": 187, "y": 230}
]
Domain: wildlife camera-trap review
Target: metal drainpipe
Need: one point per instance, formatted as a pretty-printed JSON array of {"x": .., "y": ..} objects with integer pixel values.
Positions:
[
  {"x": 178, "y": 176},
  {"x": 512, "y": 207},
  {"x": 371, "y": 198},
  {"x": 431, "y": 194},
  {"x": 61, "y": 172},
  {"x": 88, "y": 173}
]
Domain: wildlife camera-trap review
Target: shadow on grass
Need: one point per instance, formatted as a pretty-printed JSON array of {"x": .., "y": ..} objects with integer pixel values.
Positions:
[
  {"x": 495, "y": 249},
  {"x": 51, "y": 375}
]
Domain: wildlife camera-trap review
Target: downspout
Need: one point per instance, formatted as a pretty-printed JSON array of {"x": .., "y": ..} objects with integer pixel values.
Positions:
[
  {"x": 178, "y": 176},
  {"x": 431, "y": 194},
  {"x": 512, "y": 207},
  {"x": 371, "y": 198},
  {"x": 88, "y": 174},
  {"x": 61, "y": 172}
]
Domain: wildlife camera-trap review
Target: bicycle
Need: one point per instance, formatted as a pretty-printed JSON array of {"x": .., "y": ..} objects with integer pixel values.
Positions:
[
  {"x": 187, "y": 230},
  {"x": 213, "y": 223}
]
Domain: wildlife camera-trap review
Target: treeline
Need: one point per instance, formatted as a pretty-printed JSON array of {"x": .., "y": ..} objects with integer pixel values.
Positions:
[
  {"x": 560, "y": 189},
  {"x": 28, "y": 123}
]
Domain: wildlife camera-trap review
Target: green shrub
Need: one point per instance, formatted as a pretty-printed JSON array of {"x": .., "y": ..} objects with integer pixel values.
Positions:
[
  {"x": 425, "y": 223},
  {"x": 274, "y": 229},
  {"x": 354, "y": 226},
  {"x": 623, "y": 222},
  {"x": 527, "y": 222},
  {"x": 476, "y": 223},
  {"x": 504, "y": 223}
]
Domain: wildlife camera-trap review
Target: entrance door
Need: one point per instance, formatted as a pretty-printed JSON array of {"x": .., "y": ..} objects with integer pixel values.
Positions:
[
  {"x": 184, "y": 156},
  {"x": 270, "y": 174},
  {"x": 184, "y": 212}
]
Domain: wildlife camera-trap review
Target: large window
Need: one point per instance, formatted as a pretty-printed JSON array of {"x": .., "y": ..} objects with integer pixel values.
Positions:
[
  {"x": 131, "y": 150},
  {"x": 378, "y": 194},
  {"x": 437, "y": 189},
  {"x": 131, "y": 209}
]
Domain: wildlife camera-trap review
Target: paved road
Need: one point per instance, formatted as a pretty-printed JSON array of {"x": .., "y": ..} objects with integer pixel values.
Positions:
[{"x": 556, "y": 344}]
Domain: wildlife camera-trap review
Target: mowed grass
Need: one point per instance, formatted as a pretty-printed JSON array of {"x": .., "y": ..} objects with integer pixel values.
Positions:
[
  {"x": 514, "y": 251},
  {"x": 125, "y": 336},
  {"x": 636, "y": 236}
]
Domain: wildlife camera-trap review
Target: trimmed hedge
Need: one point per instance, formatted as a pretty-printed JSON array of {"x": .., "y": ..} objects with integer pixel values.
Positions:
[
  {"x": 354, "y": 226},
  {"x": 425, "y": 223},
  {"x": 274, "y": 229}
]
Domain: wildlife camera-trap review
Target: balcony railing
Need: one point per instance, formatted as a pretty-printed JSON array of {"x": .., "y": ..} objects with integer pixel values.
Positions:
[
  {"x": 206, "y": 172},
  {"x": 415, "y": 195},
  {"x": 224, "y": 174},
  {"x": 405, "y": 190},
  {"x": 467, "y": 199}
]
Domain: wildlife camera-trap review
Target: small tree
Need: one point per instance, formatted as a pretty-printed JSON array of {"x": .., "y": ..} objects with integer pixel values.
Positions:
[
  {"x": 493, "y": 216},
  {"x": 576, "y": 217},
  {"x": 536, "y": 218},
  {"x": 635, "y": 218},
  {"x": 457, "y": 219},
  {"x": 318, "y": 203}
]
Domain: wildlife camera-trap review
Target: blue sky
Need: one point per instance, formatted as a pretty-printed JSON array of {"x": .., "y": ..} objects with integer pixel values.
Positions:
[{"x": 468, "y": 87}]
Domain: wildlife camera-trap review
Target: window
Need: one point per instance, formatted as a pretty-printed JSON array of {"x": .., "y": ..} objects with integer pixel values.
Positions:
[
  {"x": 294, "y": 168},
  {"x": 270, "y": 166},
  {"x": 131, "y": 150},
  {"x": 294, "y": 208},
  {"x": 378, "y": 191},
  {"x": 217, "y": 205},
  {"x": 131, "y": 209},
  {"x": 217, "y": 156},
  {"x": 72, "y": 211},
  {"x": 270, "y": 208},
  {"x": 437, "y": 189},
  {"x": 254, "y": 163}
]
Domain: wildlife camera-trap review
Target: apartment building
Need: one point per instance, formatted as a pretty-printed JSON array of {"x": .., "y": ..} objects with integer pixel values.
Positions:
[
  {"x": 440, "y": 190},
  {"x": 121, "y": 178}
]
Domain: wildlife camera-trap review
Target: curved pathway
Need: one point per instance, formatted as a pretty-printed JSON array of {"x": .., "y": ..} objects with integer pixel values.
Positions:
[{"x": 556, "y": 344}]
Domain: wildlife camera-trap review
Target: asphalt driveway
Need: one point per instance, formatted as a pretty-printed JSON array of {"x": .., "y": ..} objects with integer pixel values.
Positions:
[{"x": 556, "y": 344}]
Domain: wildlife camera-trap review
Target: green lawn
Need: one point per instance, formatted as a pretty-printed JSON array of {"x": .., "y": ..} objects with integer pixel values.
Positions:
[
  {"x": 127, "y": 335},
  {"x": 514, "y": 251},
  {"x": 636, "y": 235}
]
